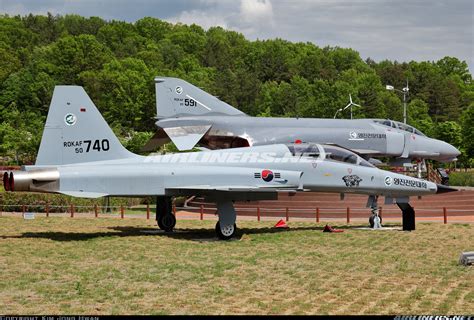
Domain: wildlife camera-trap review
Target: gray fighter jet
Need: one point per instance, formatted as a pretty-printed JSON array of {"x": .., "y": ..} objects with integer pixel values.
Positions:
[
  {"x": 188, "y": 116},
  {"x": 80, "y": 156}
]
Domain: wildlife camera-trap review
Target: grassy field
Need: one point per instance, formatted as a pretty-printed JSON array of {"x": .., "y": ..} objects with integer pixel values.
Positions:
[{"x": 113, "y": 266}]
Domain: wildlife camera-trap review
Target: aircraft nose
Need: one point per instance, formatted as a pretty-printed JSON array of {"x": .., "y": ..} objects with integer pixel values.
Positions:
[
  {"x": 448, "y": 151},
  {"x": 444, "y": 189}
]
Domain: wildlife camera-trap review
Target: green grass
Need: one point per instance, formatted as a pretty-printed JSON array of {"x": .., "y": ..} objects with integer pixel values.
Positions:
[
  {"x": 462, "y": 178},
  {"x": 114, "y": 266}
]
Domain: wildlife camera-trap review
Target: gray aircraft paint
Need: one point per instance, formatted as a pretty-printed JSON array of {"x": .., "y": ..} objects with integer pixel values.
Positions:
[
  {"x": 194, "y": 110},
  {"x": 68, "y": 164}
]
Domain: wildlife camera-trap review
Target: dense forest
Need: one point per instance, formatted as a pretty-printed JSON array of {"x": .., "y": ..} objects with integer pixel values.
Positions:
[{"x": 117, "y": 61}]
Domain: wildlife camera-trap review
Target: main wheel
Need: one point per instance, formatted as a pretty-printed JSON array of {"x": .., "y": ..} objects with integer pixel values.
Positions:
[
  {"x": 226, "y": 232},
  {"x": 371, "y": 220},
  {"x": 167, "y": 222},
  {"x": 159, "y": 221}
]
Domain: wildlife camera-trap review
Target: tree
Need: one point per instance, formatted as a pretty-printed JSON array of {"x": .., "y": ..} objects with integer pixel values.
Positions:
[
  {"x": 467, "y": 125},
  {"x": 137, "y": 140},
  {"x": 122, "y": 38},
  {"x": 152, "y": 28},
  {"x": 116, "y": 62},
  {"x": 71, "y": 55},
  {"x": 452, "y": 66},
  {"x": 450, "y": 132},
  {"x": 417, "y": 112},
  {"x": 8, "y": 63},
  {"x": 20, "y": 135},
  {"x": 124, "y": 92}
]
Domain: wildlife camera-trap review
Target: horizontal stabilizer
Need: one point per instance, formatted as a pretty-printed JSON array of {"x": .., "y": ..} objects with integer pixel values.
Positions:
[
  {"x": 158, "y": 139},
  {"x": 185, "y": 138}
]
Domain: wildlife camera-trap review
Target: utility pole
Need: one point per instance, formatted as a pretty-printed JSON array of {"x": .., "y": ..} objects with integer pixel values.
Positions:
[{"x": 404, "y": 91}]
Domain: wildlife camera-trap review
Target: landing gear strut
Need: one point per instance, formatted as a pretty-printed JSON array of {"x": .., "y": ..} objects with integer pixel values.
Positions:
[
  {"x": 375, "y": 220},
  {"x": 408, "y": 216},
  {"x": 164, "y": 216}
]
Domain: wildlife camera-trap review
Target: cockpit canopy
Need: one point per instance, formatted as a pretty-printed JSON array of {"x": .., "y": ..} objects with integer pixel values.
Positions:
[
  {"x": 328, "y": 152},
  {"x": 400, "y": 126}
]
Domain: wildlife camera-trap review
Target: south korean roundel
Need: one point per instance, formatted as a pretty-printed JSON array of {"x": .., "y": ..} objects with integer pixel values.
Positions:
[{"x": 267, "y": 175}]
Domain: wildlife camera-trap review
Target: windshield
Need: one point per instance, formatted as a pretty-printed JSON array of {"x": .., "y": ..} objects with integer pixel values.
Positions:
[
  {"x": 340, "y": 154},
  {"x": 306, "y": 149},
  {"x": 400, "y": 126},
  {"x": 331, "y": 153},
  {"x": 387, "y": 123}
]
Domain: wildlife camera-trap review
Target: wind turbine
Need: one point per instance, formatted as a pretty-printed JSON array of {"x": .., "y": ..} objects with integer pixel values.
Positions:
[{"x": 349, "y": 105}]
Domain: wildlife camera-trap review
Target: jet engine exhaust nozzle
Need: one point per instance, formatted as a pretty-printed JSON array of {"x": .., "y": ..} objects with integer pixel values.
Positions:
[
  {"x": 42, "y": 180},
  {"x": 6, "y": 181}
]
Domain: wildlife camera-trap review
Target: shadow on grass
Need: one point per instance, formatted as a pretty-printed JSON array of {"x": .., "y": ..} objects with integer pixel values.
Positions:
[{"x": 180, "y": 233}]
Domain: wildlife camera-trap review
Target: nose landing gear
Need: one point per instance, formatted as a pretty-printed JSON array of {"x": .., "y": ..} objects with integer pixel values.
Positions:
[{"x": 375, "y": 220}]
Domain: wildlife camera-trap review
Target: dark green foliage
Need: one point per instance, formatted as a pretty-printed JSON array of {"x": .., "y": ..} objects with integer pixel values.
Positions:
[
  {"x": 462, "y": 178},
  {"x": 13, "y": 201},
  {"x": 468, "y": 131},
  {"x": 116, "y": 62}
]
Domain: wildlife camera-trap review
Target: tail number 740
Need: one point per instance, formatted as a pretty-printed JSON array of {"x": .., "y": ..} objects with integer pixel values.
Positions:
[{"x": 93, "y": 145}]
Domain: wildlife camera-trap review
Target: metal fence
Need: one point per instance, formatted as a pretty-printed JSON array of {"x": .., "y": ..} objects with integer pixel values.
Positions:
[{"x": 317, "y": 214}]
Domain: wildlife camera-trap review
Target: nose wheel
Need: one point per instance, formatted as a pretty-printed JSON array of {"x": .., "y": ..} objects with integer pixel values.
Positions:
[
  {"x": 225, "y": 232},
  {"x": 372, "y": 220},
  {"x": 375, "y": 220}
]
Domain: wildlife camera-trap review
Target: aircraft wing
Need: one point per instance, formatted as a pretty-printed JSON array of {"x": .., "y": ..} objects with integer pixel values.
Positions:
[
  {"x": 231, "y": 188},
  {"x": 237, "y": 184},
  {"x": 81, "y": 194},
  {"x": 232, "y": 192}
]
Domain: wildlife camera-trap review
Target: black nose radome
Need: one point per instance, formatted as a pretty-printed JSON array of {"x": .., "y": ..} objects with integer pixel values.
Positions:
[{"x": 444, "y": 189}]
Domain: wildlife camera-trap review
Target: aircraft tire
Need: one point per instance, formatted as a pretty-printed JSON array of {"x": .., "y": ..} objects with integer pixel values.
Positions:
[
  {"x": 371, "y": 220},
  {"x": 167, "y": 222},
  {"x": 226, "y": 233},
  {"x": 160, "y": 224}
]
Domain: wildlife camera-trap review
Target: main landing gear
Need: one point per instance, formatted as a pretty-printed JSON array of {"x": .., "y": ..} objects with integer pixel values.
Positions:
[
  {"x": 226, "y": 227},
  {"x": 225, "y": 232},
  {"x": 164, "y": 216}
]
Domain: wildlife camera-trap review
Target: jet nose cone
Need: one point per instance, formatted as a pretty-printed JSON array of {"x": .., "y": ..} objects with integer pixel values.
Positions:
[
  {"x": 448, "y": 151},
  {"x": 444, "y": 189}
]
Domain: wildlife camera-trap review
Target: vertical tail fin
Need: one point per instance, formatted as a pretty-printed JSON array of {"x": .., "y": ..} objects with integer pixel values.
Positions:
[
  {"x": 178, "y": 98},
  {"x": 75, "y": 131}
]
